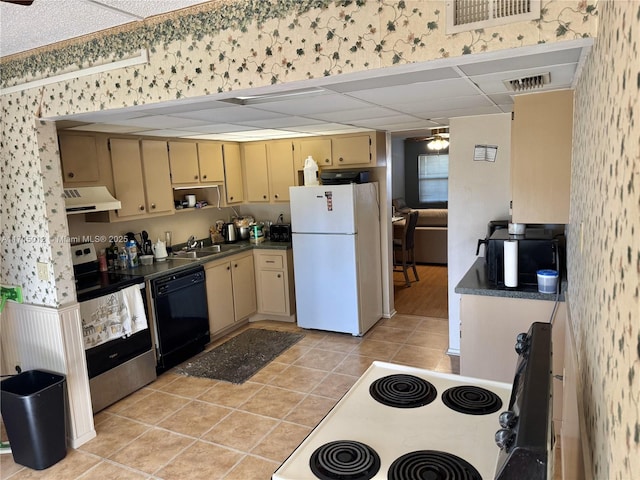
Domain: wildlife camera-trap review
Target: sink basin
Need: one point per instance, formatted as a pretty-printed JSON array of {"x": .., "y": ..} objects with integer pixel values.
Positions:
[{"x": 203, "y": 252}]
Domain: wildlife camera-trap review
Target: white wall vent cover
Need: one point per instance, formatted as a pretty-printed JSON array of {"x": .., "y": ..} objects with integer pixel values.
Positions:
[
  {"x": 466, "y": 15},
  {"x": 532, "y": 82}
]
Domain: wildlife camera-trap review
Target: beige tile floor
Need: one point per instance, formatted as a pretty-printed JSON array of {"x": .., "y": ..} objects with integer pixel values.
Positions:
[{"x": 187, "y": 428}]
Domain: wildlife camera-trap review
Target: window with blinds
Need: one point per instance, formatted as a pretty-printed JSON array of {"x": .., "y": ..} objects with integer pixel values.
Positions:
[
  {"x": 433, "y": 178},
  {"x": 466, "y": 15}
]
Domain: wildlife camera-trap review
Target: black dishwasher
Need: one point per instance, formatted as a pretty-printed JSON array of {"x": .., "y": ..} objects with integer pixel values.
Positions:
[{"x": 181, "y": 318}]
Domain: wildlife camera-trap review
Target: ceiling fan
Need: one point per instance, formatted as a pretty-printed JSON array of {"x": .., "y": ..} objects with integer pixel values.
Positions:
[{"x": 437, "y": 140}]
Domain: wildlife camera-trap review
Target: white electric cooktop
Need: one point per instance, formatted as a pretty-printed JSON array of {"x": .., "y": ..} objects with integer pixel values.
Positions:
[{"x": 393, "y": 432}]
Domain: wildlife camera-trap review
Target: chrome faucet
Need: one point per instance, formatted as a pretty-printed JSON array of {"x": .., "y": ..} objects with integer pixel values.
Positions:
[{"x": 192, "y": 242}]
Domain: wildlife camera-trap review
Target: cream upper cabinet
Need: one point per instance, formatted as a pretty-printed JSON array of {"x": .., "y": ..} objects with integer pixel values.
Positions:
[
  {"x": 281, "y": 173},
  {"x": 140, "y": 195},
  {"x": 541, "y": 143},
  {"x": 231, "y": 291},
  {"x": 126, "y": 164},
  {"x": 351, "y": 150},
  {"x": 274, "y": 281},
  {"x": 183, "y": 157},
  {"x": 79, "y": 157},
  {"x": 210, "y": 162},
  {"x": 157, "y": 177},
  {"x": 233, "y": 179},
  {"x": 318, "y": 148},
  {"x": 268, "y": 170},
  {"x": 254, "y": 159}
]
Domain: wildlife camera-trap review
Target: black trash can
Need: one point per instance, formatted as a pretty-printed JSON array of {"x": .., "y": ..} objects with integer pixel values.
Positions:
[{"x": 33, "y": 412}]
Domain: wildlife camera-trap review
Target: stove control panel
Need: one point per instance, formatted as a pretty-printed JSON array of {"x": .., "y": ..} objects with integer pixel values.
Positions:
[{"x": 523, "y": 440}]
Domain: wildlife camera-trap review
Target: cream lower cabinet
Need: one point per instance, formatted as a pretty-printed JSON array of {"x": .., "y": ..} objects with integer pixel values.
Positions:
[
  {"x": 231, "y": 292},
  {"x": 489, "y": 326},
  {"x": 274, "y": 281}
]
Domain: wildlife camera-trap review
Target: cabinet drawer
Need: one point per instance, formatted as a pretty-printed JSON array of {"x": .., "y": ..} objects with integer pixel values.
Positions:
[{"x": 270, "y": 261}]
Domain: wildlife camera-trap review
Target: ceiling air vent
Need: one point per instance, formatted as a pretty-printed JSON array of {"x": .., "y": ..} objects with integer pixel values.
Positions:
[
  {"x": 466, "y": 15},
  {"x": 531, "y": 82}
]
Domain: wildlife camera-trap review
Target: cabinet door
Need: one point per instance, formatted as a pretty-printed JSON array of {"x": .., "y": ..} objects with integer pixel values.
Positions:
[
  {"x": 233, "y": 173},
  {"x": 541, "y": 157},
  {"x": 183, "y": 158},
  {"x": 273, "y": 289},
  {"x": 210, "y": 161},
  {"x": 281, "y": 175},
  {"x": 244, "y": 286},
  {"x": 219, "y": 295},
  {"x": 127, "y": 176},
  {"x": 274, "y": 282},
  {"x": 318, "y": 148},
  {"x": 351, "y": 150},
  {"x": 254, "y": 157},
  {"x": 79, "y": 158},
  {"x": 157, "y": 177}
]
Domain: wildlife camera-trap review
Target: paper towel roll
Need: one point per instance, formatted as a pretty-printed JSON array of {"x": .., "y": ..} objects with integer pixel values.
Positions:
[{"x": 511, "y": 263}]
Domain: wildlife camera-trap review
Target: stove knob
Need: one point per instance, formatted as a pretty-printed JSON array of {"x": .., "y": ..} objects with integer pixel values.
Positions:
[
  {"x": 522, "y": 344},
  {"x": 504, "y": 438},
  {"x": 507, "y": 419}
]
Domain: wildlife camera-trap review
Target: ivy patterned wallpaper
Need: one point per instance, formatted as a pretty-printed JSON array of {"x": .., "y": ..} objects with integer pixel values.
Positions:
[
  {"x": 604, "y": 279},
  {"x": 221, "y": 46},
  {"x": 227, "y": 45}
]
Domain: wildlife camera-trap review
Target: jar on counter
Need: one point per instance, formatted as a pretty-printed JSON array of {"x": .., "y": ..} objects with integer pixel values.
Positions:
[{"x": 132, "y": 253}]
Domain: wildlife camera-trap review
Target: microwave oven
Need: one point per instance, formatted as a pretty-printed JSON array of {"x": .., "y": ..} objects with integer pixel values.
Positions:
[{"x": 538, "y": 249}]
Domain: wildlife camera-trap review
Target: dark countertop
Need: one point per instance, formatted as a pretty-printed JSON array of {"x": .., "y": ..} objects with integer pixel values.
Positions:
[
  {"x": 475, "y": 282},
  {"x": 171, "y": 265}
]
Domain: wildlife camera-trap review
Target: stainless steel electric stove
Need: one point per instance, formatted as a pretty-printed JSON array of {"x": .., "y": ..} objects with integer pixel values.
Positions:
[{"x": 404, "y": 423}]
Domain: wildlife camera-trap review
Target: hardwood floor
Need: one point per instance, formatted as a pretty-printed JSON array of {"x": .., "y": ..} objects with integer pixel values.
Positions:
[{"x": 428, "y": 297}]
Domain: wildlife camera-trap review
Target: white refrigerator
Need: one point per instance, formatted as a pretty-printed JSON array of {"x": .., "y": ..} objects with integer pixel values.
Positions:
[{"x": 336, "y": 256}]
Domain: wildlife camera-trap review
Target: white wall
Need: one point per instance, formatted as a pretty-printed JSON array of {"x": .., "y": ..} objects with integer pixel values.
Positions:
[
  {"x": 478, "y": 192},
  {"x": 397, "y": 166}
]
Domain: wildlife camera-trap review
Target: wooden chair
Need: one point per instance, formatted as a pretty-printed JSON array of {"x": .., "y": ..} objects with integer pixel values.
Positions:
[{"x": 403, "y": 248}]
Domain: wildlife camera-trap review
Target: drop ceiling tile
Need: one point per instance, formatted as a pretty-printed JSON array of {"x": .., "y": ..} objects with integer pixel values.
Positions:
[
  {"x": 167, "y": 133},
  {"x": 537, "y": 60},
  {"x": 402, "y": 79},
  {"x": 325, "y": 129},
  {"x": 231, "y": 114},
  {"x": 417, "y": 92},
  {"x": 145, "y": 8},
  {"x": 313, "y": 105},
  {"x": 356, "y": 114},
  {"x": 428, "y": 109},
  {"x": 283, "y": 122},
  {"x": 105, "y": 128},
  {"x": 221, "y": 128},
  {"x": 160, "y": 121},
  {"x": 467, "y": 112}
]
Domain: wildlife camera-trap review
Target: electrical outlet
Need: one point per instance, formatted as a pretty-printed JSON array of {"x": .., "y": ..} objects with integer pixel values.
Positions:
[{"x": 43, "y": 271}]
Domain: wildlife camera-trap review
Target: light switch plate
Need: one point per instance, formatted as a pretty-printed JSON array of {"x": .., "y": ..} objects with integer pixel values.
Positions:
[{"x": 43, "y": 271}]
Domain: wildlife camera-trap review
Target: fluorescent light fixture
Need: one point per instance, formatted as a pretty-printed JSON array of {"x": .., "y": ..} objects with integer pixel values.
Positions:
[
  {"x": 141, "y": 57},
  {"x": 274, "y": 97}
]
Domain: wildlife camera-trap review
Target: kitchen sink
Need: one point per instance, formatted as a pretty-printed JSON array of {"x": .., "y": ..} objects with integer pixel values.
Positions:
[{"x": 197, "y": 253}]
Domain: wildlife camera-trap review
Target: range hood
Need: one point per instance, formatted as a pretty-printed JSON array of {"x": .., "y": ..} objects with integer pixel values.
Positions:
[{"x": 89, "y": 199}]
